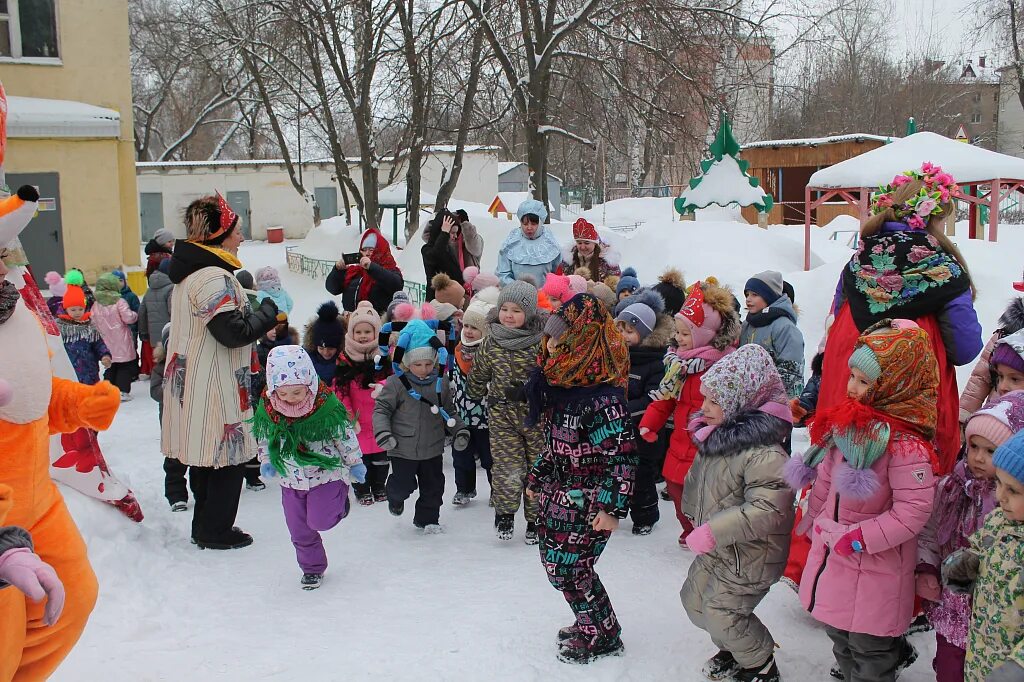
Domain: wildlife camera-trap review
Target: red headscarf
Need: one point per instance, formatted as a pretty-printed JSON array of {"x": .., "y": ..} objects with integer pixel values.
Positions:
[{"x": 381, "y": 256}]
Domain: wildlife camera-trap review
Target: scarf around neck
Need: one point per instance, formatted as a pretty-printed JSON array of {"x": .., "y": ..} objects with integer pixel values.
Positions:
[
  {"x": 288, "y": 438},
  {"x": 968, "y": 501},
  {"x": 520, "y": 338},
  {"x": 360, "y": 352}
]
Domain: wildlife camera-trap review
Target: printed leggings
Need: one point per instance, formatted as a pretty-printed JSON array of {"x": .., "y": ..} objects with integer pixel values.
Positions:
[{"x": 514, "y": 449}]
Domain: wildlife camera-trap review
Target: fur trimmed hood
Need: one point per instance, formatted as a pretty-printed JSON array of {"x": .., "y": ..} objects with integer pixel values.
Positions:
[
  {"x": 744, "y": 431},
  {"x": 1012, "y": 319},
  {"x": 609, "y": 254},
  {"x": 662, "y": 335}
]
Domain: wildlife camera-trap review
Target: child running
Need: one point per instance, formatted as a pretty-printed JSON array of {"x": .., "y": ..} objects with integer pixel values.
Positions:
[
  {"x": 871, "y": 461},
  {"x": 584, "y": 478},
  {"x": 306, "y": 438},
  {"x": 473, "y": 412},
  {"x": 742, "y": 511},
  {"x": 113, "y": 318}
]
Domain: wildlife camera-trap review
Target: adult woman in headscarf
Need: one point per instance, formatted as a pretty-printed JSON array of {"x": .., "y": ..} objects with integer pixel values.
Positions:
[
  {"x": 207, "y": 403},
  {"x": 529, "y": 250},
  {"x": 375, "y": 278},
  {"x": 452, "y": 244}
]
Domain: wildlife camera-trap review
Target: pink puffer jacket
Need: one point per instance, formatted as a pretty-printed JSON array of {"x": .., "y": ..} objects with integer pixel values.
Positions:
[
  {"x": 360, "y": 402},
  {"x": 112, "y": 322},
  {"x": 871, "y": 592}
]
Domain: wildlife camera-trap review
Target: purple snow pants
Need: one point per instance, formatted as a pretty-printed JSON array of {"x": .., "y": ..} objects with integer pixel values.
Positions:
[
  {"x": 949, "y": 661},
  {"x": 308, "y": 511}
]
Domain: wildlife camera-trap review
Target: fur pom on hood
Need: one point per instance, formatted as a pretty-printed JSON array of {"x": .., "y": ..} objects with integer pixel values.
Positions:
[
  {"x": 746, "y": 430},
  {"x": 674, "y": 278},
  {"x": 1012, "y": 319}
]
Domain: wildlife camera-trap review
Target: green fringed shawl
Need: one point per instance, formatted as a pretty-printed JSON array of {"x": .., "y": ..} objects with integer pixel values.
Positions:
[{"x": 287, "y": 438}]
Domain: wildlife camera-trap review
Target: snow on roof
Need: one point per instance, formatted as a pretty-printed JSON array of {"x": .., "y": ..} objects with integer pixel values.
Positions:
[
  {"x": 436, "y": 149},
  {"x": 816, "y": 141},
  {"x": 37, "y": 117},
  {"x": 723, "y": 183},
  {"x": 394, "y": 195},
  {"x": 965, "y": 162}
]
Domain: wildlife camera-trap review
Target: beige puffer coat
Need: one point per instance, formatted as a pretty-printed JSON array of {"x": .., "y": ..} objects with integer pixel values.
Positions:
[{"x": 736, "y": 487}]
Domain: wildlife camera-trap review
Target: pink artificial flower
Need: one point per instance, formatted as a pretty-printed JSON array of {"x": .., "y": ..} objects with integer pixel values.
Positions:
[
  {"x": 884, "y": 200},
  {"x": 929, "y": 168},
  {"x": 916, "y": 222},
  {"x": 925, "y": 207},
  {"x": 944, "y": 195},
  {"x": 901, "y": 180}
]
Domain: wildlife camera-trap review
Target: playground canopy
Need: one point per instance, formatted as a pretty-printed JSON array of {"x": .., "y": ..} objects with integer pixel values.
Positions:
[{"x": 855, "y": 179}]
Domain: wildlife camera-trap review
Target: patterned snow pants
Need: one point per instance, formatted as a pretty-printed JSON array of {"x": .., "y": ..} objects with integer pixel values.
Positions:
[
  {"x": 569, "y": 548},
  {"x": 514, "y": 449}
]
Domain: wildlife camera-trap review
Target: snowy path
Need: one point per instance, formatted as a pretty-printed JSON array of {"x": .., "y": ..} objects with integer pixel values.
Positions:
[{"x": 394, "y": 605}]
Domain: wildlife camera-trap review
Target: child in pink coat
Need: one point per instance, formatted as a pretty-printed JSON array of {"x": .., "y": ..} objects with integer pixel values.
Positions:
[
  {"x": 356, "y": 383},
  {"x": 872, "y": 465},
  {"x": 962, "y": 501},
  {"x": 113, "y": 317}
]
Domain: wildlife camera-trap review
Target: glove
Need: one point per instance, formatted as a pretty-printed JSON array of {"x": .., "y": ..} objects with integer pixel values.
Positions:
[
  {"x": 928, "y": 586},
  {"x": 1009, "y": 671},
  {"x": 960, "y": 570},
  {"x": 268, "y": 470},
  {"x": 358, "y": 472},
  {"x": 648, "y": 435},
  {"x": 30, "y": 574},
  {"x": 797, "y": 410},
  {"x": 850, "y": 543},
  {"x": 461, "y": 440},
  {"x": 516, "y": 393},
  {"x": 701, "y": 540},
  {"x": 386, "y": 440},
  {"x": 98, "y": 409}
]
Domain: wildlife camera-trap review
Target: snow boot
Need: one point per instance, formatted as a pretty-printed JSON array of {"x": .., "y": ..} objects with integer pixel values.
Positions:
[
  {"x": 720, "y": 666},
  {"x": 233, "y": 539},
  {"x": 836, "y": 672},
  {"x": 380, "y": 496},
  {"x": 581, "y": 650},
  {"x": 567, "y": 633},
  {"x": 311, "y": 581},
  {"x": 255, "y": 485},
  {"x": 179, "y": 506},
  {"x": 908, "y": 657},
  {"x": 643, "y": 529},
  {"x": 664, "y": 495},
  {"x": 366, "y": 500},
  {"x": 504, "y": 526},
  {"x": 461, "y": 499},
  {"x": 396, "y": 508},
  {"x": 531, "y": 533},
  {"x": 768, "y": 672}
]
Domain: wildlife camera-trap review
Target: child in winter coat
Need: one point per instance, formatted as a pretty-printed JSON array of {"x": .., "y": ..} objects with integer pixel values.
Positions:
[
  {"x": 647, "y": 331},
  {"x": 982, "y": 384},
  {"x": 268, "y": 285},
  {"x": 175, "y": 484},
  {"x": 113, "y": 318},
  {"x": 771, "y": 323},
  {"x": 584, "y": 478},
  {"x": 991, "y": 569},
  {"x": 155, "y": 311},
  {"x": 1004, "y": 367},
  {"x": 627, "y": 284},
  {"x": 306, "y": 438},
  {"x": 499, "y": 375},
  {"x": 82, "y": 340},
  {"x": 473, "y": 412},
  {"x": 871, "y": 462},
  {"x": 448, "y": 302},
  {"x": 323, "y": 338},
  {"x": 962, "y": 501},
  {"x": 742, "y": 511},
  {"x": 412, "y": 414},
  {"x": 356, "y": 383},
  {"x": 706, "y": 327}
]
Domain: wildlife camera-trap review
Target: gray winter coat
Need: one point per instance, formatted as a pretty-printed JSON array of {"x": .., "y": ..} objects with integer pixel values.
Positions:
[
  {"x": 775, "y": 330},
  {"x": 420, "y": 433},
  {"x": 155, "y": 311},
  {"x": 736, "y": 487}
]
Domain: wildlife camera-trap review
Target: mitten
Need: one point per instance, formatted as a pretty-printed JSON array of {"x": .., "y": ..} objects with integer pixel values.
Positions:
[
  {"x": 928, "y": 586},
  {"x": 268, "y": 470},
  {"x": 386, "y": 440},
  {"x": 37, "y": 579},
  {"x": 98, "y": 409},
  {"x": 850, "y": 543},
  {"x": 797, "y": 410},
  {"x": 358, "y": 472},
  {"x": 516, "y": 393},
  {"x": 960, "y": 570},
  {"x": 701, "y": 540},
  {"x": 461, "y": 440},
  {"x": 1009, "y": 671},
  {"x": 648, "y": 435}
]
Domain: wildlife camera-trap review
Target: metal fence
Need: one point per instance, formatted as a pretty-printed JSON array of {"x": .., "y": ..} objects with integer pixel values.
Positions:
[{"x": 317, "y": 268}]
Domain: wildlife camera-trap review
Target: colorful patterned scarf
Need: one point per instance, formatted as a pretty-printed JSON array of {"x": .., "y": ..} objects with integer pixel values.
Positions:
[
  {"x": 287, "y": 438},
  {"x": 592, "y": 350},
  {"x": 900, "y": 273}
]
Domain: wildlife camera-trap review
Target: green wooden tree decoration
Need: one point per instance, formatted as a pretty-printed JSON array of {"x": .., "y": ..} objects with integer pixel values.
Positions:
[{"x": 723, "y": 180}]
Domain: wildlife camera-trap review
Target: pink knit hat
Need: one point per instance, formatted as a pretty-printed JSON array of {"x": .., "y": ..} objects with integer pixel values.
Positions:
[
  {"x": 998, "y": 420},
  {"x": 563, "y": 287},
  {"x": 703, "y": 320}
]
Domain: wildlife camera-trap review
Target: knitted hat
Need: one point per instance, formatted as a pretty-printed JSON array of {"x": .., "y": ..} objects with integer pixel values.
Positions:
[
  {"x": 56, "y": 283},
  {"x": 419, "y": 347},
  {"x": 603, "y": 293},
  {"x": 74, "y": 297},
  {"x": 244, "y": 278},
  {"x": 584, "y": 231},
  {"x": 476, "y": 315},
  {"x": 532, "y": 207},
  {"x": 864, "y": 359},
  {"x": 268, "y": 279},
  {"x": 447, "y": 290},
  {"x": 120, "y": 275},
  {"x": 672, "y": 288},
  {"x": 562, "y": 287},
  {"x": 746, "y": 380},
  {"x": 702, "y": 319},
  {"x": 1009, "y": 351},
  {"x": 478, "y": 281},
  {"x": 369, "y": 241},
  {"x": 327, "y": 330},
  {"x": 1010, "y": 456},
  {"x": 523, "y": 294},
  {"x": 998, "y": 420},
  {"x": 768, "y": 285},
  {"x": 163, "y": 236},
  {"x": 291, "y": 366},
  {"x": 399, "y": 297},
  {"x": 627, "y": 282},
  {"x": 641, "y": 317}
]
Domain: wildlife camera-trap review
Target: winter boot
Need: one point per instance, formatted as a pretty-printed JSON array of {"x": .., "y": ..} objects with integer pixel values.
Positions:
[
  {"x": 179, "y": 506},
  {"x": 643, "y": 529},
  {"x": 567, "y": 633},
  {"x": 396, "y": 508},
  {"x": 581, "y": 650},
  {"x": 233, "y": 539},
  {"x": 461, "y": 499},
  {"x": 768, "y": 672},
  {"x": 720, "y": 666},
  {"x": 531, "y": 533},
  {"x": 836, "y": 672},
  {"x": 366, "y": 500},
  {"x": 664, "y": 495},
  {"x": 255, "y": 485},
  {"x": 432, "y": 529},
  {"x": 311, "y": 581},
  {"x": 907, "y": 658},
  {"x": 380, "y": 496},
  {"x": 504, "y": 526}
]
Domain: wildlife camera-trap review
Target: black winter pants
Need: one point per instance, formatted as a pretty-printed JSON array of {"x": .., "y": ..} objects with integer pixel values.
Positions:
[
  {"x": 216, "y": 493},
  {"x": 465, "y": 460},
  {"x": 376, "y": 464},
  {"x": 122, "y": 374},
  {"x": 428, "y": 476},
  {"x": 864, "y": 657},
  {"x": 175, "y": 487},
  {"x": 643, "y": 509}
]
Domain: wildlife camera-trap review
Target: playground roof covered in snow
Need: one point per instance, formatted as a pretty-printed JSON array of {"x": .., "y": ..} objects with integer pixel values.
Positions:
[{"x": 816, "y": 141}]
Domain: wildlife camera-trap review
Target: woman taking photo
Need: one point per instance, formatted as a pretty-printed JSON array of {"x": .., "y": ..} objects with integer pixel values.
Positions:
[{"x": 375, "y": 278}]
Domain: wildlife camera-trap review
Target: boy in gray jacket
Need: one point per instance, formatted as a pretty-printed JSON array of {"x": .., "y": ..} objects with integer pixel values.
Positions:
[
  {"x": 411, "y": 417},
  {"x": 771, "y": 324}
]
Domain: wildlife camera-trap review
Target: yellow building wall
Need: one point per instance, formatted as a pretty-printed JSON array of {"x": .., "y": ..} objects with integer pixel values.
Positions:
[{"x": 95, "y": 69}]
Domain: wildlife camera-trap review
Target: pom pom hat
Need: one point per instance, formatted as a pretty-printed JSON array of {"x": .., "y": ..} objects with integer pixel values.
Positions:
[{"x": 627, "y": 282}]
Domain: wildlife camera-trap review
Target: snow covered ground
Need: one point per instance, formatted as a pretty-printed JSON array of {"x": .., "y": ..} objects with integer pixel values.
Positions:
[{"x": 399, "y": 605}]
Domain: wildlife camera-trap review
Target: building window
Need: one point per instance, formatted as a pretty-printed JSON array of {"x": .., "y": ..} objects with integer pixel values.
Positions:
[
  {"x": 28, "y": 29},
  {"x": 976, "y": 97},
  {"x": 975, "y": 118}
]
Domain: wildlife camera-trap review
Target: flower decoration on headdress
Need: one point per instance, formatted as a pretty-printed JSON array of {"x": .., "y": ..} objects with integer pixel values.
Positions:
[{"x": 938, "y": 189}]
